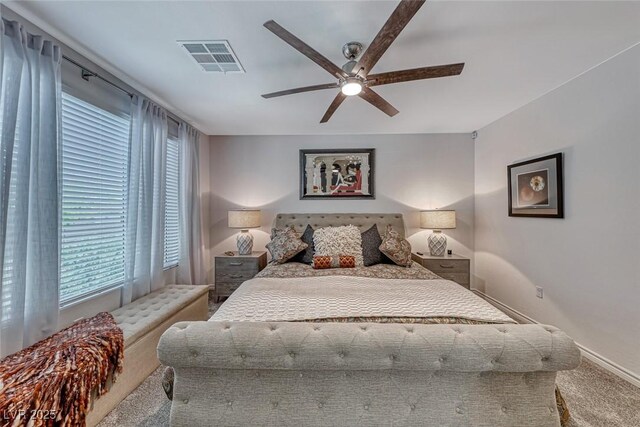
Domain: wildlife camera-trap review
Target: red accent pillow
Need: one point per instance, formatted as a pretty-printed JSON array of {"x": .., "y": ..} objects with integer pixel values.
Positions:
[{"x": 335, "y": 261}]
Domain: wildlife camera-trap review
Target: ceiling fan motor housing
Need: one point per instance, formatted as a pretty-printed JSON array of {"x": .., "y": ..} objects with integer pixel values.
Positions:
[{"x": 349, "y": 67}]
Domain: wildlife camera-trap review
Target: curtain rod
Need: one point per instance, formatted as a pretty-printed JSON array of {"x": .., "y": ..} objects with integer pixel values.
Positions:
[{"x": 87, "y": 73}]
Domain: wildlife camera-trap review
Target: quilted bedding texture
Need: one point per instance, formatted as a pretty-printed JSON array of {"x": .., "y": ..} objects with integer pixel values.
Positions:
[{"x": 339, "y": 297}]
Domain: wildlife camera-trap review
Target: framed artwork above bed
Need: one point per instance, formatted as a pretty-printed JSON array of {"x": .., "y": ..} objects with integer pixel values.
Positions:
[
  {"x": 337, "y": 174},
  {"x": 535, "y": 187}
]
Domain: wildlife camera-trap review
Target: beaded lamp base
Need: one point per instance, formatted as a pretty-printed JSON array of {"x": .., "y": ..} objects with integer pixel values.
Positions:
[
  {"x": 245, "y": 242},
  {"x": 437, "y": 243}
]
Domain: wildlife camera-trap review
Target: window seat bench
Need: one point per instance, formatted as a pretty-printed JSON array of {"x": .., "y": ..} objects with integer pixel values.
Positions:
[{"x": 143, "y": 322}]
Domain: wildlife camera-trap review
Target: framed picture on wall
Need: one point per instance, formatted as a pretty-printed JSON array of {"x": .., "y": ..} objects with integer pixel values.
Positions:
[
  {"x": 535, "y": 187},
  {"x": 337, "y": 174}
]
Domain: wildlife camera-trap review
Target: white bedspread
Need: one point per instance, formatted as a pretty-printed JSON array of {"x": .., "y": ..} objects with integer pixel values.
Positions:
[{"x": 314, "y": 298}]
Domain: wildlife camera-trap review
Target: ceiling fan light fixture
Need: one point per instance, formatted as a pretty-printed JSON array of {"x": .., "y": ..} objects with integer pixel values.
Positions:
[{"x": 351, "y": 86}]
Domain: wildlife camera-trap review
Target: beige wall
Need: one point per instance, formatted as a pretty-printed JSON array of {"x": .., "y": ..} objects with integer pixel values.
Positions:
[
  {"x": 413, "y": 172},
  {"x": 588, "y": 262}
]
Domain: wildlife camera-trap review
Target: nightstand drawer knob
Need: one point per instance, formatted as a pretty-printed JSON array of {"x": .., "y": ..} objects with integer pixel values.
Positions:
[
  {"x": 235, "y": 276},
  {"x": 235, "y": 264},
  {"x": 447, "y": 266}
]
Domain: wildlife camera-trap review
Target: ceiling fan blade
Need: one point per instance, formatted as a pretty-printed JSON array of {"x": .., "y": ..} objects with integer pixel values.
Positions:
[
  {"x": 387, "y": 34},
  {"x": 301, "y": 89},
  {"x": 339, "y": 99},
  {"x": 305, "y": 49},
  {"x": 377, "y": 101},
  {"x": 414, "y": 74}
]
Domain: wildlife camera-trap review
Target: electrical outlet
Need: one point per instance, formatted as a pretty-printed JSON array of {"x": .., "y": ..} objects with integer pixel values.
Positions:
[{"x": 539, "y": 292}]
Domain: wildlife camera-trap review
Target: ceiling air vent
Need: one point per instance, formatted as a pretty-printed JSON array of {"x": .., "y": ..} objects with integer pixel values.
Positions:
[{"x": 213, "y": 56}]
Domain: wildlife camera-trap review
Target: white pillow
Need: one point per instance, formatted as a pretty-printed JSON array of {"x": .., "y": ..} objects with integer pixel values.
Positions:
[{"x": 345, "y": 240}]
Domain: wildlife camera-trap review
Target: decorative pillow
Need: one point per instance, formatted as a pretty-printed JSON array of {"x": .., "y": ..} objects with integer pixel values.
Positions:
[
  {"x": 371, "y": 242},
  {"x": 335, "y": 261},
  {"x": 396, "y": 248},
  {"x": 306, "y": 256},
  {"x": 345, "y": 240},
  {"x": 285, "y": 244},
  {"x": 276, "y": 231}
]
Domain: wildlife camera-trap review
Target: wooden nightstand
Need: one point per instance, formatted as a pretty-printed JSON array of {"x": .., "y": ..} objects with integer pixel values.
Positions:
[
  {"x": 231, "y": 271},
  {"x": 453, "y": 267}
]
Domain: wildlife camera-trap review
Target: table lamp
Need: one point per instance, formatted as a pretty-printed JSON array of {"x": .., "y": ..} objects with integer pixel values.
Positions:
[
  {"x": 437, "y": 221},
  {"x": 244, "y": 219}
]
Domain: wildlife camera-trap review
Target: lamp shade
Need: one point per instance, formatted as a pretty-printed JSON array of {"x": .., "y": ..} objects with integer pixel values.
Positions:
[
  {"x": 244, "y": 218},
  {"x": 438, "y": 220}
]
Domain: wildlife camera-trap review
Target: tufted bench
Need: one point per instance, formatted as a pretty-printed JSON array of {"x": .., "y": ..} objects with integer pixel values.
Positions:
[{"x": 143, "y": 322}]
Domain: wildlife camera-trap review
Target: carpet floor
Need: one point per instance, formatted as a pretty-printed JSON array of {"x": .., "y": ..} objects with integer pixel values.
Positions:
[{"x": 595, "y": 398}]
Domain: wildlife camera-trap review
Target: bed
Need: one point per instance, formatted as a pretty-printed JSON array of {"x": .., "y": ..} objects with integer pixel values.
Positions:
[{"x": 371, "y": 346}]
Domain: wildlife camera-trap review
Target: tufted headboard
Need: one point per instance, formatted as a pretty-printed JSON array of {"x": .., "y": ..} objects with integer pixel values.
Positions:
[{"x": 363, "y": 221}]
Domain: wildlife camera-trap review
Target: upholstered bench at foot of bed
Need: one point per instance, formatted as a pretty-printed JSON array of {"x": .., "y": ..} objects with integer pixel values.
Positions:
[{"x": 143, "y": 322}]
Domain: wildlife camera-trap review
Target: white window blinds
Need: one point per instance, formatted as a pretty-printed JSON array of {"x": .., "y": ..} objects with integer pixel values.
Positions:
[
  {"x": 95, "y": 150},
  {"x": 171, "y": 230},
  {"x": 8, "y": 276}
]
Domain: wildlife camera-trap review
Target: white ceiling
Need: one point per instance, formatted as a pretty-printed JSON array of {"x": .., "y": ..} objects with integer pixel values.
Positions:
[{"x": 514, "y": 52}]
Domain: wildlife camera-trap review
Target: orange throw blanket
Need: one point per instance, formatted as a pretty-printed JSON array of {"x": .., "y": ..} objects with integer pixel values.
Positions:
[{"x": 52, "y": 382}]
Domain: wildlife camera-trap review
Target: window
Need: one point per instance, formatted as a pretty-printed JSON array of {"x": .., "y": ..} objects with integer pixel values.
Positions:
[
  {"x": 171, "y": 227},
  {"x": 8, "y": 273},
  {"x": 95, "y": 152}
]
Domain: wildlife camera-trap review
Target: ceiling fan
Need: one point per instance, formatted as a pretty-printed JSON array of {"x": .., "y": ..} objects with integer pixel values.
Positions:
[{"x": 353, "y": 77}]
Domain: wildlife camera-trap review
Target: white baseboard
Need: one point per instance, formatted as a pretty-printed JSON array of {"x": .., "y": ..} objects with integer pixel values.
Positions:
[{"x": 596, "y": 358}]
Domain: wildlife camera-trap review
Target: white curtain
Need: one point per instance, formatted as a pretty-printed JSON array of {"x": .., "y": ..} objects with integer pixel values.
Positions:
[
  {"x": 144, "y": 251},
  {"x": 30, "y": 153},
  {"x": 190, "y": 269}
]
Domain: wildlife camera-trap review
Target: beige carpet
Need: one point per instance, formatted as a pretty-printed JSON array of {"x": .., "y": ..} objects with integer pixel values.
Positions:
[
  {"x": 595, "y": 398},
  {"x": 146, "y": 406}
]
